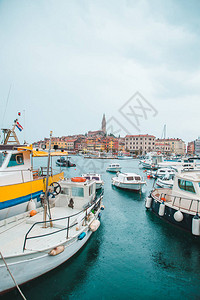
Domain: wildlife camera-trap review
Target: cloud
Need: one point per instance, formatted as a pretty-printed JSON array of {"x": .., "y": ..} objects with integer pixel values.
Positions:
[{"x": 71, "y": 61}]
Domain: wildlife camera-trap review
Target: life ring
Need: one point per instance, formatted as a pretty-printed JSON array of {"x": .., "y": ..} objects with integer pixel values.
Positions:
[
  {"x": 78, "y": 179},
  {"x": 159, "y": 152}
]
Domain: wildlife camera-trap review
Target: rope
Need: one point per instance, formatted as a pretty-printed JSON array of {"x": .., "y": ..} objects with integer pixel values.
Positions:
[{"x": 13, "y": 278}]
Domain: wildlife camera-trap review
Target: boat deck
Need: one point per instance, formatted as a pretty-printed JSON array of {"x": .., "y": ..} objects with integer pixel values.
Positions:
[
  {"x": 13, "y": 234},
  {"x": 184, "y": 204}
]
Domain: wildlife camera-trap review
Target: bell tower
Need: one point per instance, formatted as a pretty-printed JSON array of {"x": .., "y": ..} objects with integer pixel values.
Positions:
[{"x": 103, "y": 124}]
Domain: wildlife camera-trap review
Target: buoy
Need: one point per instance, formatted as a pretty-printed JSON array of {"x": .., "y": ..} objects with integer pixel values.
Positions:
[
  {"x": 148, "y": 202},
  {"x": 33, "y": 213},
  {"x": 161, "y": 211},
  {"x": 31, "y": 205},
  {"x": 178, "y": 216},
  {"x": 78, "y": 179},
  {"x": 148, "y": 176},
  {"x": 196, "y": 225},
  {"x": 57, "y": 250},
  {"x": 82, "y": 235},
  {"x": 94, "y": 225}
]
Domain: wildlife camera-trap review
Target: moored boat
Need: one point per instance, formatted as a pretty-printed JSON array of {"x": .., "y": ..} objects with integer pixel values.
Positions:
[
  {"x": 21, "y": 185},
  {"x": 96, "y": 178},
  {"x": 128, "y": 181},
  {"x": 179, "y": 205},
  {"x": 32, "y": 246},
  {"x": 62, "y": 162},
  {"x": 114, "y": 168}
]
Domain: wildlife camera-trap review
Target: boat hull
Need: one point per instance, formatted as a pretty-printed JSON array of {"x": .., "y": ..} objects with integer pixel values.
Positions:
[
  {"x": 168, "y": 216},
  {"x": 14, "y": 198},
  {"x": 28, "y": 268},
  {"x": 131, "y": 187}
]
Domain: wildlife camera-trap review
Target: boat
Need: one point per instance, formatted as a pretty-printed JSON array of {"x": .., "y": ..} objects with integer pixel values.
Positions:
[
  {"x": 35, "y": 242},
  {"x": 161, "y": 172},
  {"x": 20, "y": 184},
  {"x": 96, "y": 177},
  {"x": 31, "y": 246},
  {"x": 128, "y": 181},
  {"x": 179, "y": 205},
  {"x": 166, "y": 181},
  {"x": 152, "y": 160},
  {"x": 124, "y": 157},
  {"x": 62, "y": 162},
  {"x": 114, "y": 168},
  {"x": 184, "y": 163}
]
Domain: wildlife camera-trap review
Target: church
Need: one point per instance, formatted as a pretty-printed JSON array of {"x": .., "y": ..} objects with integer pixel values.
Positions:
[{"x": 101, "y": 132}]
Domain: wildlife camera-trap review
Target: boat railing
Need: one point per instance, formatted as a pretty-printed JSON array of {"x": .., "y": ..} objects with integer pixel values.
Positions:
[
  {"x": 177, "y": 201},
  {"x": 95, "y": 203}
]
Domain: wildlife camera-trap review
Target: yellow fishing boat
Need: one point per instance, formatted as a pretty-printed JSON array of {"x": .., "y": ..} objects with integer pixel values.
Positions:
[{"x": 20, "y": 185}]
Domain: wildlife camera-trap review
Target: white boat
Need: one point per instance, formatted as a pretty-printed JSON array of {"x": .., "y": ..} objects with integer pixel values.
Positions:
[
  {"x": 32, "y": 246},
  {"x": 166, "y": 181},
  {"x": 152, "y": 160},
  {"x": 124, "y": 157},
  {"x": 128, "y": 181},
  {"x": 179, "y": 205},
  {"x": 181, "y": 164},
  {"x": 114, "y": 168},
  {"x": 95, "y": 177}
]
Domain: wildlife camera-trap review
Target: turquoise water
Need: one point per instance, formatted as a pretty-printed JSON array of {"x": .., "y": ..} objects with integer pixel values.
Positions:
[{"x": 133, "y": 255}]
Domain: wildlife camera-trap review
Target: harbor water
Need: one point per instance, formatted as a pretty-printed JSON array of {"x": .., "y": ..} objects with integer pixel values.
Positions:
[{"x": 133, "y": 255}]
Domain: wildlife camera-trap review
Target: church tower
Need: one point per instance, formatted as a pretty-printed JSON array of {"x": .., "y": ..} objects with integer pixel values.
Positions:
[{"x": 103, "y": 124}]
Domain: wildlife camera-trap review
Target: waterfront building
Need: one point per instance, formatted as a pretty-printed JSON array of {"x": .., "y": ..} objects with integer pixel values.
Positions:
[
  {"x": 191, "y": 148},
  {"x": 162, "y": 147},
  {"x": 197, "y": 146},
  {"x": 141, "y": 143},
  {"x": 177, "y": 146}
]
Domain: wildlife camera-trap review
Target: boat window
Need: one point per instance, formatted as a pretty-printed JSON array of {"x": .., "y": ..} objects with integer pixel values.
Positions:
[
  {"x": 186, "y": 185},
  {"x": 15, "y": 160},
  {"x": 77, "y": 192},
  {"x": 2, "y": 158},
  {"x": 95, "y": 178},
  {"x": 137, "y": 178},
  {"x": 87, "y": 177},
  {"x": 130, "y": 178},
  {"x": 65, "y": 191}
]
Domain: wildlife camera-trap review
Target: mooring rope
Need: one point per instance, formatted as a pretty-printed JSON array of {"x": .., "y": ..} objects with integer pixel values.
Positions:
[{"x": 13, "y": 278}]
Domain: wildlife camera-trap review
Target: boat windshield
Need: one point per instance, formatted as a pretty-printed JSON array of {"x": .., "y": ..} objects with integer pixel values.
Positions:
[
  {"x": 95, "y": 177},
  {"x": 2, "y": 158}
]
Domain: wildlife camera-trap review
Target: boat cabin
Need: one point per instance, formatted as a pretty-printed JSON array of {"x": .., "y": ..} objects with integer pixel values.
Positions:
[{"x": 79, "y": 194}]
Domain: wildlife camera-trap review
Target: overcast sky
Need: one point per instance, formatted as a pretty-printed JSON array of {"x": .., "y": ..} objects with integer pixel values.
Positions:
[{"x": 68, "y": 62}]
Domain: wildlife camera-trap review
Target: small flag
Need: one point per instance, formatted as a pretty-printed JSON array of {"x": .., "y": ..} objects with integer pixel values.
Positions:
[{"x": 19, "y": 126}]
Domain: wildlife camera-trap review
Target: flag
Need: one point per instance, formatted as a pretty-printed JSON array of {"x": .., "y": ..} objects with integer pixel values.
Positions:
[{"x": 19, "y": 126}]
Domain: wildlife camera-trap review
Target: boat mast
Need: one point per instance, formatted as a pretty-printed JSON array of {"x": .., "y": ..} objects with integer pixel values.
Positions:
[{"x": 46, "y": 196}]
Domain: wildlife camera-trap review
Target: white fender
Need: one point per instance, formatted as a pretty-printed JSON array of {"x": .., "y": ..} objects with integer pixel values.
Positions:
[
  {"x": 196, "y": 225},
  {"x": 31, "y": 205},
  {"x": 148, "y": 202},
  {"x": 161, "y": 211},
  {"x": 178, "y": 216},
  {"x": 94, "y": 225}
]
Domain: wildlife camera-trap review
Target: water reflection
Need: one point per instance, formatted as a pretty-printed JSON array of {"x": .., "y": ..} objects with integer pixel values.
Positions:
[{"x": 174, "y": 248}]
